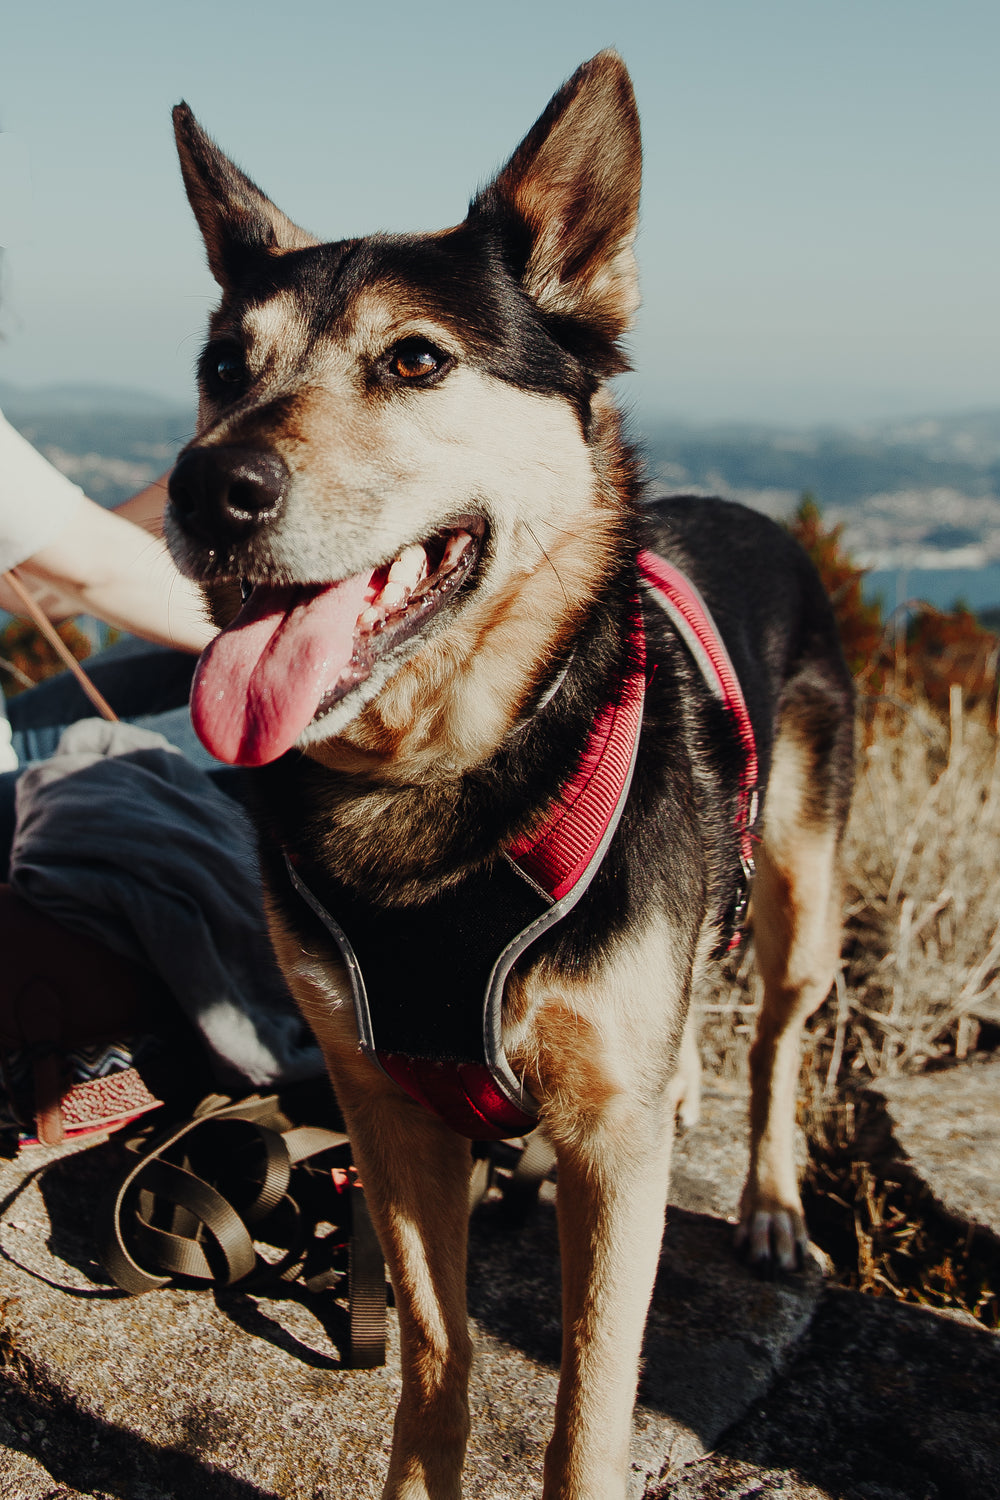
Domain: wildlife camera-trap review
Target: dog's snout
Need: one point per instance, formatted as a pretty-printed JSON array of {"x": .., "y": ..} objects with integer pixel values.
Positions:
[{"x": 222, "y": 494}]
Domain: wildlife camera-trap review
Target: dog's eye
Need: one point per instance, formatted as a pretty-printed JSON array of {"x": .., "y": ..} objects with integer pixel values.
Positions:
[
  {"x": 415, "y": 360},
  {"x": 229, "y": 369},
  {"x": 223, "y": 368}
]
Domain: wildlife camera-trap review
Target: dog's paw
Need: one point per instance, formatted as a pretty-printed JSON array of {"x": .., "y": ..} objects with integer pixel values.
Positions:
[
  {"x": 685, "y": 1087},
  {"x": 689, "y": 1111},
  {"x": 773, "y": 1240}
]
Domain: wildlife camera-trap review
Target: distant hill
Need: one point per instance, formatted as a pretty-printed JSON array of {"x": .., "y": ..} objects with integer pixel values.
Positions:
[
  {"x": 39, "y": 402},
  {"x": 843, "y": 466},
  {"x": 110, "y": 440},
  {"x": 921, "y": 492}
]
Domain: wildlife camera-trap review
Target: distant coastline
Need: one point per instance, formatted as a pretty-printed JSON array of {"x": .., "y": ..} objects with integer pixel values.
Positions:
[
  {"x": 945, "y": 588},
  {"x": 923, "y": 491}
]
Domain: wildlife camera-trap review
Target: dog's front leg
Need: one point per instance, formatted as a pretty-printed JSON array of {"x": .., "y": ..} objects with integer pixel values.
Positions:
[
  {"x": 416, "y": 1178},
  {"x": 415, "y": 1173},
  {"x": 604, "y": 1057},
  {"x": 611, "y": 1203}
]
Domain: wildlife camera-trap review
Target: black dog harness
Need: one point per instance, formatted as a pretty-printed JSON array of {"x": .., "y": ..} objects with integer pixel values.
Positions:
[{"x": 443, "y": 1043}]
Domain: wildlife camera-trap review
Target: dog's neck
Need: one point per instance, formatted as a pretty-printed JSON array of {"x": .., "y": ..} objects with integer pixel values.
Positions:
[{"x": 407, "y": 792}]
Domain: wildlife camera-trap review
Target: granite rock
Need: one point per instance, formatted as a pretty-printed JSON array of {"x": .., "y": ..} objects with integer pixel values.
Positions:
[
  {"x": 946, "y": 1126},
  {"x": 233, "y": 1397}
]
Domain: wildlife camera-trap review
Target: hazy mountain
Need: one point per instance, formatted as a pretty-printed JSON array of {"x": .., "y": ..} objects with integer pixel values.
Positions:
[
  {"x": 110, "y": 440},
  {"x": 919, "y": 492},
  {"x": 842, "y": 466},
  {"x": 916, "y": 493},
  {"x": 41, "y": 402}
]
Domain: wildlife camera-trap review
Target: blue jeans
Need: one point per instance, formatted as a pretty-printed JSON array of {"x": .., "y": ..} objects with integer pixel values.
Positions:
[{"x": 145, "y": 684}]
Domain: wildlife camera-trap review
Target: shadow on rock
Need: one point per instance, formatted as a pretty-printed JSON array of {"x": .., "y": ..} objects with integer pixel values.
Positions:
[
  {"x": 715, "y": 1338},
  {"x": 89, "y": 1454},
  {"x": 248, "y": 1313},
  {"x": 58, "y": 1204},
  {"x": 881, "y": 1402}
]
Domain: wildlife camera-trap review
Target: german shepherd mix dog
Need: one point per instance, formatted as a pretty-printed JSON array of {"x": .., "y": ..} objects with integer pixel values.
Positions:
[{"x": 423, "y": 536}]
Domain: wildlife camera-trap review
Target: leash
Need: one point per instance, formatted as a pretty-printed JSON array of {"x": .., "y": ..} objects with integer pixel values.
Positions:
[
  {"x": 193, "y": 1198},
  {"x": 44, "y": 624}
]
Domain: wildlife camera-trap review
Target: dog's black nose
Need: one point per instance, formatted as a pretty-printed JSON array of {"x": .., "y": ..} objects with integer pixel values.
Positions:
[{"x": 223, "y": 494}]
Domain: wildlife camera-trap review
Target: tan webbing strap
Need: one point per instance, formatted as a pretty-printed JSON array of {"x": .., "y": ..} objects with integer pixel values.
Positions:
[{"x": 202, "y": 1235}]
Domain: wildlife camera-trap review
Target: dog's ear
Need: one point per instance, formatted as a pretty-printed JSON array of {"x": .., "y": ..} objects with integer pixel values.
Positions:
[
  {"x": 567, "y": 202},
  {"x": 236, "y": 219}
]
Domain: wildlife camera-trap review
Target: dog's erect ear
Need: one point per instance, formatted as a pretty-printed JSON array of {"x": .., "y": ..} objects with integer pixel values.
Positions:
[
  {"x": 236, "y": 219},
  {"x": 570, "y": 194}
]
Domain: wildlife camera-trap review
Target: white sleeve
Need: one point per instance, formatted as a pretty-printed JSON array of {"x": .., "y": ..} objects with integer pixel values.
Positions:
[{"x": 36, "y": 501}]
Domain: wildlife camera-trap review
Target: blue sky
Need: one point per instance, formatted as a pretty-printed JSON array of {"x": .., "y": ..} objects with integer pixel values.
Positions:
[{"x": 821, "y": 212}]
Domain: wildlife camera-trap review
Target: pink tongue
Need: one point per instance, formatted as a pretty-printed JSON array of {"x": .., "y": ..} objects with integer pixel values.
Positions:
[{"x": 261, "y": 680}]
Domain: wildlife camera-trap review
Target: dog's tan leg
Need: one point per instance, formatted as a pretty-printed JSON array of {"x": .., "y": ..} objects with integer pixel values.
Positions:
[
  {"x": 685, "y": 1091},
  {"x": 796, "y": 925},
  {"x": 607, "y": 1050},
  {"x": 415, "y": 1173},
  {"x": 416, "y": 1177},
  {"x": 611, "y": 1203}
]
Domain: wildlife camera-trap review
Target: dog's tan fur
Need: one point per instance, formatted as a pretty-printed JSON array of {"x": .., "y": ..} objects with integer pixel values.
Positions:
[{"x": 605, "y": 1054}]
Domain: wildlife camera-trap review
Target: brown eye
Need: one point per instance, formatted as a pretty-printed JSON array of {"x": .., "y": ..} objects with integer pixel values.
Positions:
[{"x": 415, "y": 360}]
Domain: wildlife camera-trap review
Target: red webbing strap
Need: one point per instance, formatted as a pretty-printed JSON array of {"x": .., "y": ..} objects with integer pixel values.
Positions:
[
  {"x": 556, "y": 856},
  {"x": 461, "y": 1094},
  {"x": 681, "y": 600}
]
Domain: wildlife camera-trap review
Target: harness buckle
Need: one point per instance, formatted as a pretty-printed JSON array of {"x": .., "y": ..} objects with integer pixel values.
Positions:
[{"x": 733, "y": 926}]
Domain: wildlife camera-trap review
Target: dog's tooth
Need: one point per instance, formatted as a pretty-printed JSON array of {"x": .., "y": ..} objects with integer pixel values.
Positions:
[
  {"x": 369, "y": 618},
  {"x": 410, "y": 567},
  {"x": 457, "y": 544},
  {"x": 394, "y": 595}
]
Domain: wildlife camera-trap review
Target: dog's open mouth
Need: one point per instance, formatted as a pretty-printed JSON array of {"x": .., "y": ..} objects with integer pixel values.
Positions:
[{"x": 294, "y": 651}]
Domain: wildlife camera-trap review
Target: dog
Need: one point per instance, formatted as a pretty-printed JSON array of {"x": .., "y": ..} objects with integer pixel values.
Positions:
[{"x": 424, "y": 536}]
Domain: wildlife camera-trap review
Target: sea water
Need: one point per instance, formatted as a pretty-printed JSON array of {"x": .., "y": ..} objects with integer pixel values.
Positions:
[{"x": 976, "y": 588}]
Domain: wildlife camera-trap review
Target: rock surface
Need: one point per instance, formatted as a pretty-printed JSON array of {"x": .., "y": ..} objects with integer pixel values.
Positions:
[
  {"x": 749, "y": 1388},
  {"x": 947, "y": 1126},
  {"x": 233, "y": 1397},
  {"x": 882, "y": 1402}
]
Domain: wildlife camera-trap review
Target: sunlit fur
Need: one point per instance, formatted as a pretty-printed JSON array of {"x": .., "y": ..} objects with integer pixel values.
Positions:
[{"x": 443, "y": 754}]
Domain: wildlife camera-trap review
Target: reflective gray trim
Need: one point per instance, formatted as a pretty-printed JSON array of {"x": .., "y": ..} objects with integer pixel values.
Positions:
[
  {"x": 693, "y": 641},
  {"x": 501, "y": 1072},
  {"x": 359, "y": 994},
  {"x": 503, "y": 1075}
]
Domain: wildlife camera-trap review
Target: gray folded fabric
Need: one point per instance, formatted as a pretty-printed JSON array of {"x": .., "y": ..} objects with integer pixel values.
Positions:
[{"x": 120, "y": 837}]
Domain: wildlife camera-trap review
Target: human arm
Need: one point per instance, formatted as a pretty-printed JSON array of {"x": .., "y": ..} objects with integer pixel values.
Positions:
[
  {"x": 102, "y": 564},
  {"x": 77, "y": 558}
]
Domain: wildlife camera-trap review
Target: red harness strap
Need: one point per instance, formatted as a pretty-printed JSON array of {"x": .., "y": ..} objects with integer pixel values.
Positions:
[
  {"x": 464, "y": 1095},
  {"x": 559, "y": 860},
  {"x": 679, "y": 598},
  {"x": 556, "y": 857}
]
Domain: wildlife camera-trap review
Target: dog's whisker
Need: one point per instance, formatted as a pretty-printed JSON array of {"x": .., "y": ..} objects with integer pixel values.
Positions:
[{"x": 548, "y": 559}]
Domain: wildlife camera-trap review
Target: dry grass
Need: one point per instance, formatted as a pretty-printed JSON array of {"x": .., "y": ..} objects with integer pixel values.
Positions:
[
  {"x": 922, "y": 857},
  {"x": 921, "y": 957},
  {"x": 883, "y": 1229}
]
